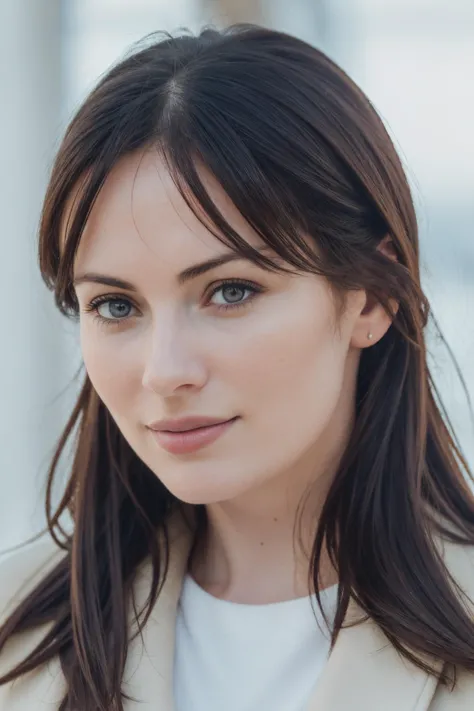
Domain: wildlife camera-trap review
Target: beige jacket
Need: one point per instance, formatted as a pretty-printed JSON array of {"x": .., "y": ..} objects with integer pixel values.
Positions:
[{"x": 364, "y": 672}]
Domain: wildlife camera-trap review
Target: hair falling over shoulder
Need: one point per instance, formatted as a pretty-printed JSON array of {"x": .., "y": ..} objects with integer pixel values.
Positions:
[{"x": 299, "y": 150}]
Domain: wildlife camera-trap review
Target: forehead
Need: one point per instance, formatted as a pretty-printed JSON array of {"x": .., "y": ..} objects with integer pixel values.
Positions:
[{"x": 140, "y": 215}]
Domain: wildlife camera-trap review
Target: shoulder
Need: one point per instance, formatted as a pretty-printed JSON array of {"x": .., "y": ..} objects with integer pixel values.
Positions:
[
  {"x": 22, "y": 569},
  {"x": 459, "y": 561}
]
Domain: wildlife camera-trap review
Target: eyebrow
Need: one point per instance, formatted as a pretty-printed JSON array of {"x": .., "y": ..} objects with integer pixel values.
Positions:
[{"x": 186, "y": 275}]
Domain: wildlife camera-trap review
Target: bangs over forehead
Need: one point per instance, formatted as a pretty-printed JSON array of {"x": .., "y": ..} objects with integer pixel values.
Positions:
[
  {"x": 268, "y": 127},
  {"x": 192, "y": 178}
]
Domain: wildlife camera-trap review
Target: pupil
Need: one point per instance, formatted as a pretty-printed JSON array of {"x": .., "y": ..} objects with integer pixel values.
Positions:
[
  {"x": 235, "y": 290},
  {"x": 118, "y": 308}
]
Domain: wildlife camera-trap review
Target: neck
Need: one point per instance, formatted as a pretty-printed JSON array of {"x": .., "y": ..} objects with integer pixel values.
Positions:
[{"x": 256, "y": 549}]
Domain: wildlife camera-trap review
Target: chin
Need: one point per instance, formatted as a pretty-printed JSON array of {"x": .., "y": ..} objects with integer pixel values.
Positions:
[
  {"x": 204, "y": 495},
  {"x": 199, "y": 496}
]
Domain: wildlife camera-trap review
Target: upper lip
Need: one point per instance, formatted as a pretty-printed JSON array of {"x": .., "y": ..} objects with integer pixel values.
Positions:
[{"x": 186, "y": 423}]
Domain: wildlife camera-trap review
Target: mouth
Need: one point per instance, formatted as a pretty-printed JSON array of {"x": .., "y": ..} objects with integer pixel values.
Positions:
[{"x": 191, "y": 440}]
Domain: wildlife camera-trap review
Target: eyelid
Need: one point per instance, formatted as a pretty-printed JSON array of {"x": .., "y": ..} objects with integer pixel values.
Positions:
[
  {"x": 104, "y": 298},
  {"x": 212, "y": 286},
  {"x": 215, "y": 285}
]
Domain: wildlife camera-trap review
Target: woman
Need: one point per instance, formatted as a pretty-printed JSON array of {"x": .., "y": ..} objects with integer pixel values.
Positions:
[{"x": 268, "y": 508}]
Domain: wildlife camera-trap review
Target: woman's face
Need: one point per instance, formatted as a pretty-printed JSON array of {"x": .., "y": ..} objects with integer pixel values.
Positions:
[{"x": 264, "y": 347}]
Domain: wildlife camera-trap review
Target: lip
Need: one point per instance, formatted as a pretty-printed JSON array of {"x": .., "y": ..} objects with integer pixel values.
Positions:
[
  {"x": 186, "y": 423},
  {"x": 187, "y": 441}
]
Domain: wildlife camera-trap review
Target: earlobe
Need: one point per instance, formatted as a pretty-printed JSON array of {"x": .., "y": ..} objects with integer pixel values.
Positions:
[{"x": 373, "y": 324}]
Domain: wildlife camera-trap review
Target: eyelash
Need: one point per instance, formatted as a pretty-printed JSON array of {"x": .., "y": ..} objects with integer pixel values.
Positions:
[{"x": 93, "y": 306}]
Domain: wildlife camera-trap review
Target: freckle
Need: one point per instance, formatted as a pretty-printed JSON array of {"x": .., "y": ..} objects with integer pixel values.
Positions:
[
  {"x": 275, "y": 519},
  {"x": 261, "y": 543}
]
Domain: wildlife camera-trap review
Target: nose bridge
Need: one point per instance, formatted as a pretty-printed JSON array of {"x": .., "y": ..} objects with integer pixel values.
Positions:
[{"x": 172, "y": 358}]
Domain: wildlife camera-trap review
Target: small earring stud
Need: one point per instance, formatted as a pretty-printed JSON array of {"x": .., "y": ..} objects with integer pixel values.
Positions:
[{"x": 370, "y": 335}]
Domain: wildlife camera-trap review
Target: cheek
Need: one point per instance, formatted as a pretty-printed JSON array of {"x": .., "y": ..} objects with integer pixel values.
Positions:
[
  {"x": 299, "y": 360},
  {"x": 293, "y": 377},
  {"x": 109, "y": 365}
]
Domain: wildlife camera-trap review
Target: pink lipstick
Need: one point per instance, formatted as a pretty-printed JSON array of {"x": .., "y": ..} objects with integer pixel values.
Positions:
[{"x": 191, "y": 440}]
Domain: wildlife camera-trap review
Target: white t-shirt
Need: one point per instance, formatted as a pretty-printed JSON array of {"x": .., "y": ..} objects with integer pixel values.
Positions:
[{"x": 242, "y": 657}]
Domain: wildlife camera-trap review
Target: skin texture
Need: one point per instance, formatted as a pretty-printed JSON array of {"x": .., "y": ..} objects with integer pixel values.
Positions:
[{"x": 282, "y": 361}]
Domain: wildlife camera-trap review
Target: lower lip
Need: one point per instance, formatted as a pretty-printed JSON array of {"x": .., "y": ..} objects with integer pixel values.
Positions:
[{"x": 192, "y": 440}]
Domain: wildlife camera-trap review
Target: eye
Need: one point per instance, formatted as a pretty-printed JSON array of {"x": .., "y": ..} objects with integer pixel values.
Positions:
[
  {"x": 232, "y": 293},
  {"x": 110, "y": 310}
]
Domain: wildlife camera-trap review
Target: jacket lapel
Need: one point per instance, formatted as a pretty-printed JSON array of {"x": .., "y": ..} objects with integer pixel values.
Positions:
[
  {"x": 148, "y": 677},
  {"x": 366, "y": 673}
]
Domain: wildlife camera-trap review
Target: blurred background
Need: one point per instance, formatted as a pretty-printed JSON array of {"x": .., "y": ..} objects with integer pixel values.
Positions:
[{"x": 414, "y": 59}]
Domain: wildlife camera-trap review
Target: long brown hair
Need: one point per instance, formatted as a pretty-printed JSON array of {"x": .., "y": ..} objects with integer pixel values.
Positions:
[{"x": 300, "y": 151}]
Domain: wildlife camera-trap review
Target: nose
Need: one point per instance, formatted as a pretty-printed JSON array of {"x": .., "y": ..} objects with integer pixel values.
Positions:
[{"x": 173, "y": 362}]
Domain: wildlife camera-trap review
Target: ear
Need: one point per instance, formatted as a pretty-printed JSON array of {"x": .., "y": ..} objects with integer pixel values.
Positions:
[
  {"x": 387, "y": 248},
  {"x": 373, "y": 321}
]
